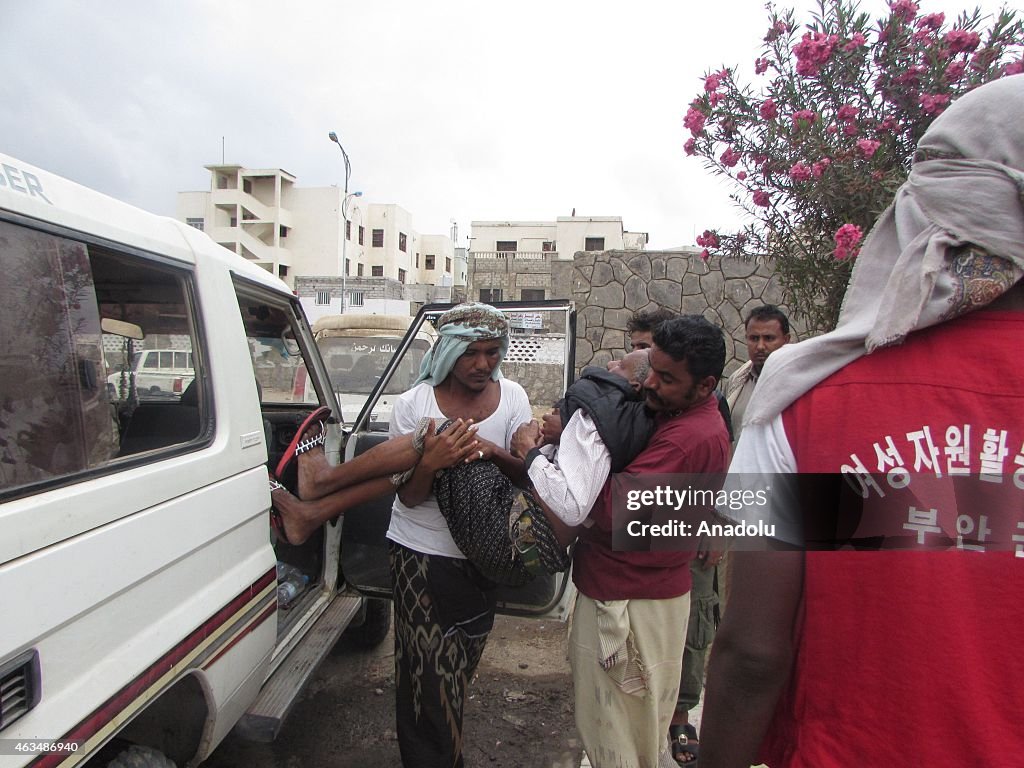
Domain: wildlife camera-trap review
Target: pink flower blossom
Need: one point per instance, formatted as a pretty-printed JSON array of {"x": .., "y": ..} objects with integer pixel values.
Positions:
[
  {"x": 714, "y": 98},
  {"x": 799, "y": 172},
  {"x": 711, "y": 83},
  {"x": 904, "y": 9},
  {"x": 847, "y": 237},
  {"x": 962, "y": 41},
  {"x": 708, "y": 240},
  {"x": 857, "y": 40},
  {"x": 832, "y": 129},
  {"x": 813, "y": 52},
  {"x": 741, "y": 176},
  {"x": 868, "y": 146},
  {"x": 955, "y": 71},
  {"x": 889, "y": 124},
  {"x": 847, "y": 112},
  {"x": 730, "y": 157},
  {"x": 705, "y": 255},
  {"x": 1014, "y": 68},
  {"x": 805, "y": 115},
  {"x": 850, "y": 129},
  {"x": 934, "y": 105},
  {"x": 694, "y": 120},
  {"x": 778, "y": 28},
  {"x": 818, "y": 169},
  {"x": 922, "y": 37},
  {"x": 760, "y": 160},
  {"x": 762, "y": 198},
  {"x": 690, "y": 147},
  {"x": 760, "y": 66},
  {"x": 768, "y": 110},
  {"x": 932, "y": 21}
]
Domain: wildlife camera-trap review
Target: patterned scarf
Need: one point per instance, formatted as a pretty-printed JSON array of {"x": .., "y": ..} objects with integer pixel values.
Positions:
[{"x": 459, "y": 327}]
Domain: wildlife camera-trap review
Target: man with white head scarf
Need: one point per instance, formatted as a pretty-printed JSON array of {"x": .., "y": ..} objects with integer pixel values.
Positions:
[
  {"x": 444, "y": 608},
  {"x": 835, "y": 658}
]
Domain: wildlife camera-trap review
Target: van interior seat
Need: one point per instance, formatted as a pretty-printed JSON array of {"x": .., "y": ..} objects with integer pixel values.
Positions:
[{"x": 157, "y": 425}]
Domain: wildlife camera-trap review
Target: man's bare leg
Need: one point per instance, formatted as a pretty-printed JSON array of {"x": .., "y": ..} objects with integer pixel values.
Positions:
[
  {"x": 301, "y": 519},
  {"x": 319, "y": 478}
]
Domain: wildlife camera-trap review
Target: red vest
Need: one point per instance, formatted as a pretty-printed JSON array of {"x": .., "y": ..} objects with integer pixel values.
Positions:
[{"x": 913, "y": 658}]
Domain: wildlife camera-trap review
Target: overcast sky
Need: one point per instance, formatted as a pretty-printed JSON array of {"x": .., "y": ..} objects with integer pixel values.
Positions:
[{"x": 454, "y": 109}]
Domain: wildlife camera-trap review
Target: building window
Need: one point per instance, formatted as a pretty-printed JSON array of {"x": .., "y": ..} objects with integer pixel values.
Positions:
[
  {"x": 346, "y": 267},
  {"x": 362, "y": 234},
  {"x": 377, "y": 271},
  {"x": 282, "y": 271},
  {"x": 234, "y": 221},
  {"x": 430, "y": 261},
  {"x": 401, "y": 275},
  {"x": 447, "y": 263},
  {"x": 548, "y": 246},
  {"x": 348, "y": 230},
  {"x": 506, "y": 246},
  {"x": 593, "y": 244},
  {"x": 323, "y": 298},
  {"x": 532, "y": 294},
  {"x": 355, "y": 299},
  {"x": 247, "y": 186},
  {"x": 401, "y": 241},
  {"x": 417, "y": 261},
  {"x": 359, "y": 270},
  {"x": 378, "y": 238},
  {"x": 199, "y": 224},
  {"x": 490, "y": 295},
  {"x": 282, "y": 230},
  {"x": 222, "y": 182}
]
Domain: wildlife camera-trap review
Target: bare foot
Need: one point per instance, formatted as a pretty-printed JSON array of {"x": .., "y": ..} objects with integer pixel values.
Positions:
[
  {"x": 312, "y": 464},
  {"x": 299, "y": 519}
]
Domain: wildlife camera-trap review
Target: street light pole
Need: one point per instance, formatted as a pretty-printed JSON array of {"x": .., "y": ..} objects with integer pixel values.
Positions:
[
  {"x": 344, "y": 235},
  {"x": 344, "y": 239}
]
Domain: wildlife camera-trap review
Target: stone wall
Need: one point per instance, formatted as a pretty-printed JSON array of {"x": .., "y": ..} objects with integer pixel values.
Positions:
[{"x": 609, "y": 286}]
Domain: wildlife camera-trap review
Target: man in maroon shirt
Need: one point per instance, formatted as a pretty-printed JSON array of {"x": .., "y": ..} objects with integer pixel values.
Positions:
[{"x": 629, "y": 624}]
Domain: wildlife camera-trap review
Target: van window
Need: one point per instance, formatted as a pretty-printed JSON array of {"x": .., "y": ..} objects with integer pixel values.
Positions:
[
  {"x": 272, "y": 330},
  {"x": 60, "y": 414}
]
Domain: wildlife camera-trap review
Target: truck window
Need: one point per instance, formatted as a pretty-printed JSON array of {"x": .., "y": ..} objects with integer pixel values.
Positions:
[{"x": 356, "y": 363}]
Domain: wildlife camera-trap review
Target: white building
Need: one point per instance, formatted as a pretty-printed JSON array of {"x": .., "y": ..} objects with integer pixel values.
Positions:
[
  {"x": 302, "y": 234},
  {"x": 532, "y": 260},
  {"x": 564, "y": 236}
]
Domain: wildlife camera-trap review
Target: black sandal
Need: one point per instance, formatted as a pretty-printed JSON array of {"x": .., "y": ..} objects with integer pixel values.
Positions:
[{"x": 683, "y": 740}]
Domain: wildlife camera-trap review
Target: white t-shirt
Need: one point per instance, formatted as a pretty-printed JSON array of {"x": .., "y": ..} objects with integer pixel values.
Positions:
[{"x": 423, "y": 528}]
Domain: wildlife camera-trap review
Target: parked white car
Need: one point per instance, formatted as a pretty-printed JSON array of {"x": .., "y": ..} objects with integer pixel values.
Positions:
[{"x": 155, "y": 372}]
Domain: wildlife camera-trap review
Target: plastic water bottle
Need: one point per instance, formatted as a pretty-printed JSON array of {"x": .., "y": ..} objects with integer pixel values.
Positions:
[{"x": 290, "y": 583}]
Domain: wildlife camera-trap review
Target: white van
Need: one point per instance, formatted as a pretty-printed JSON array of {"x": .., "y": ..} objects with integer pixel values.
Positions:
[
  {"x": 357, "y": 349},
  {"x": 141, "y": 620}
]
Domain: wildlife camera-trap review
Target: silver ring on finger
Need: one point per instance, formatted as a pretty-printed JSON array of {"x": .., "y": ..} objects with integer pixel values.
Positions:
[{"x": 480, "y": 454}]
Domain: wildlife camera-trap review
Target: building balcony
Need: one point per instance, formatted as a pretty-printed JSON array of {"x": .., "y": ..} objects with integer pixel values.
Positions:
[{"x": 515, "y": 255}]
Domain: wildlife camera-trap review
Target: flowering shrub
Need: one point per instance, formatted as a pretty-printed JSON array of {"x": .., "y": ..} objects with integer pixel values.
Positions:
[{"x": 817, "y": 151}]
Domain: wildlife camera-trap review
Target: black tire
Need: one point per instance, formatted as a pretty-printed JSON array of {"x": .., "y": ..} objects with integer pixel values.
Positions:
[
  {"x": 375, "y": 626},
  {"x": 137, "y": 756}
]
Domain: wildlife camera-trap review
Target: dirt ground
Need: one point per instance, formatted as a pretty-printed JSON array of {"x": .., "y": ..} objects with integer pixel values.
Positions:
[{"x": 519, "y": 713}]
